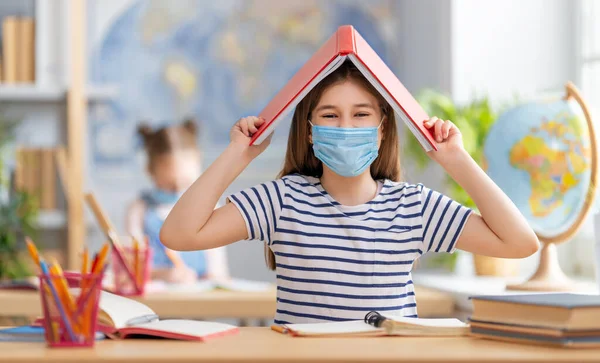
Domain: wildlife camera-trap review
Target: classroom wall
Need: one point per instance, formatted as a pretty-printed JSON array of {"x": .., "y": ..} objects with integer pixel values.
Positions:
[{"x": 507, "y": 47}]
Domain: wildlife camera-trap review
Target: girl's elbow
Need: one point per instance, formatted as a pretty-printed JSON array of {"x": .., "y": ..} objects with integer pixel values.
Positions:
[
  {"x": 535, "y": 245},
  {"x": 175, "y": 239},
  {"x": 529, "y": 245},
  {"x": 169, "y": 238}
]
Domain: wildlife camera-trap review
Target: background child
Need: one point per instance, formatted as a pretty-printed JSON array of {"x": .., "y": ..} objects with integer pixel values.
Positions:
[
  {"x": 341, "y": 230},
  {"x": 173, "y": 163}
]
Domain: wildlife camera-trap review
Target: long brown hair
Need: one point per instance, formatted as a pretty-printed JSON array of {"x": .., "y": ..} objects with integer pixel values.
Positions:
[
  {"x": 300, "y": 158},
  {"x": 165, "y": 140}
]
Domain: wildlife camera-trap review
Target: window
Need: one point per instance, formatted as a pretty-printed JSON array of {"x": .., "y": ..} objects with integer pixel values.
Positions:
[
  {"x": 587, "y": 62},
  {"x": 589, "y": 51}
]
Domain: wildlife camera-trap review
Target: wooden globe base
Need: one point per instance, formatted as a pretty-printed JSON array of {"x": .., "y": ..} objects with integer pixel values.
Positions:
[{"x": 548, "y": 276}]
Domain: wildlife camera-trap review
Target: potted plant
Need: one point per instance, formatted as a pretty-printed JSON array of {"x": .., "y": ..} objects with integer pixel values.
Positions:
[
  {"x": 474, "y": 120},
  {"x": 18, "y": 213}
]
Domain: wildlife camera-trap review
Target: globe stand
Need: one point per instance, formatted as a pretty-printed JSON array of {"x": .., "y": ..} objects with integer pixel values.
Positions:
[{"x": 548, "y": 276}]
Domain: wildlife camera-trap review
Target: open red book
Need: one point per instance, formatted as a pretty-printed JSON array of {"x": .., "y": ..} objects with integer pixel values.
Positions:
[
  {"x": 120, "y": 317},
  {"x": 346, "y": 44}
]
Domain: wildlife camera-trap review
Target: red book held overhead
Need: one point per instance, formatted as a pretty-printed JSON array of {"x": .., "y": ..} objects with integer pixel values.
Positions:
[{"x": 346, "y": 44}]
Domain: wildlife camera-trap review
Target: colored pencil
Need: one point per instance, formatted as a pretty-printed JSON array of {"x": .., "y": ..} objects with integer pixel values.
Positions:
[
  {"x": 58, "y": 303},
  {"x": 85, "y": 262},
  {"x": 33, "y": 251},
  {"x": 63, "y": 286},
  {"x": 101, "y": 258},
  {"x": 111, "y": 233},
  {"x": 136, "y": 261}
]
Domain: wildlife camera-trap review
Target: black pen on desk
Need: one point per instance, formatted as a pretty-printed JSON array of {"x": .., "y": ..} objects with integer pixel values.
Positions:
[{"x": 379, "y": 321}]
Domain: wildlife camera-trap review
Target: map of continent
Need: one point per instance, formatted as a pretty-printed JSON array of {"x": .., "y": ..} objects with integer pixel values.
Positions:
[{"x": 555, "y": 158}]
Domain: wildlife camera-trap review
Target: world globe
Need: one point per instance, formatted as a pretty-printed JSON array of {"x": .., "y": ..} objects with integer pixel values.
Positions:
[{"x": 543, "y": 156}]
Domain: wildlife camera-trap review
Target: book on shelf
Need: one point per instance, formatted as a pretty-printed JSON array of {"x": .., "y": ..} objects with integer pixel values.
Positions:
[
  {"x": 10, "y": 44},
  {"x": 18, "y": 50},
  {"x": 35, "y": 173}
]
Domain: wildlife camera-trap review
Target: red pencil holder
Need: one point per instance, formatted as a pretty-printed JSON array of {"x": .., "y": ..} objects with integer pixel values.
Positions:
[
  {"x": 70, "y": 308},
  {"x": 131, "y": 270}
]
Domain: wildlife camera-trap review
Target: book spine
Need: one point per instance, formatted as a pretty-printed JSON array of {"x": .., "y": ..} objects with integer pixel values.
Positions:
[
  {"x": 36, "y": 174},
  {"x": 19, "y": 169},
  {"x": 60, "y": 160},
  {"x": 20, "y": 51},
  {"x": 47, "y": 180},
  {"x": 9, "y": 48},
  {"x": 27, "y": 184},
  {"x": 345, "y": 40},
  {"x": 26, "y": 65}
]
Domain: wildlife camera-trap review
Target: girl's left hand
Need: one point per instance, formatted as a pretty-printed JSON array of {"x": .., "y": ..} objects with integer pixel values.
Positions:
[{"x": 446, "y": 134}]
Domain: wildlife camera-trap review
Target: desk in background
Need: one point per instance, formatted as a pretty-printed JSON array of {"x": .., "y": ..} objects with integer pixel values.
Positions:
[
  {"x": 264, "y": 345},
  {"x": 213, "y": 304}
]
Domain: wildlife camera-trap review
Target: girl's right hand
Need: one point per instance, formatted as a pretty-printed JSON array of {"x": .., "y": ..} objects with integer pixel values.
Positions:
[{"x": 241, "y": 134}]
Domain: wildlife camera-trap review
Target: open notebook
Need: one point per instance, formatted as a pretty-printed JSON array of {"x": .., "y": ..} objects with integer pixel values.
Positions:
[
  {"x": 120, "y": 317},
  {"x": 389, "y": 325},
  {"x": 346, "y": 44}
]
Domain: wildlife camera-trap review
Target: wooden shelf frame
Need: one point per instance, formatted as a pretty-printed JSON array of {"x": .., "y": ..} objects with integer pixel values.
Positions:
[{"x": 77, "y": 112}]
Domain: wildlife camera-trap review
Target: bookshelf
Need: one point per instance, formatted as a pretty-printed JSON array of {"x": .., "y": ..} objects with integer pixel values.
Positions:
[
  {"x": 56, "y": 91},
  {"x": 33, "y": 93}
]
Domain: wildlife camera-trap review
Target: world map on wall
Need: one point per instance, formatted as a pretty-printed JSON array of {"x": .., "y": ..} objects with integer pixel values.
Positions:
[{"x": 215, "y": 61}]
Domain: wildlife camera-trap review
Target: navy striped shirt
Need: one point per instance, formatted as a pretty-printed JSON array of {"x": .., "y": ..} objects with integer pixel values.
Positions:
[{"x": 337, "y": 262}]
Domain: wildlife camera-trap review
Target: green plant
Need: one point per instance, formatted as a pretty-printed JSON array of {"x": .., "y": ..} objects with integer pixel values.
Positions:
[
  {"x": 18, "y": 212},
  {"x": 474, "y": 120}
]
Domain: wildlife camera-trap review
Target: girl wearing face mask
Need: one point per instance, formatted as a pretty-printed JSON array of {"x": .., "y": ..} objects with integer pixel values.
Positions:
[
  {"x": 173, "y": 160},
  {"x": 340, "y": 229}
]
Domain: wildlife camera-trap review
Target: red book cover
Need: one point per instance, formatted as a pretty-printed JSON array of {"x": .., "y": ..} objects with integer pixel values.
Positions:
[{"x": 345, "y": 42}]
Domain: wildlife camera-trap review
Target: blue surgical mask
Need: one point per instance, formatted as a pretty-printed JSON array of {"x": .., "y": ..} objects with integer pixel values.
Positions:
[
  {"x": 346, "y": 151},
  {"x": 161, "y": 196}
]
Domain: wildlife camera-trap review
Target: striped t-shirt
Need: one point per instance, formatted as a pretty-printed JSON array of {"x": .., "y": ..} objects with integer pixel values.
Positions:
[{"x": 337, "y": 262}]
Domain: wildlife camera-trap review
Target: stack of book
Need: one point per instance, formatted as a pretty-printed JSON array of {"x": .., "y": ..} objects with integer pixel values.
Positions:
[{"x": 560, "y": 319}]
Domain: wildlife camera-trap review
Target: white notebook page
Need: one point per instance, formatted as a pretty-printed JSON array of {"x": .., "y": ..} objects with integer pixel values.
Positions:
[
  {"x": 343, "y": 327},
  {"x": 122, "y": 309},
  {"x": 428, "y": 322}
]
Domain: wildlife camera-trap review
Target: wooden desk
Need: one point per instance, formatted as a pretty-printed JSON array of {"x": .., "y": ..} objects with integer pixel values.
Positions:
[
  {"x": 264, "y": 345},
  {"x": 212, "y": 304}
]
